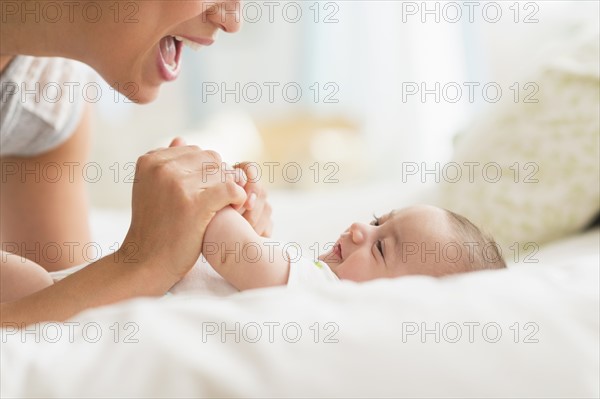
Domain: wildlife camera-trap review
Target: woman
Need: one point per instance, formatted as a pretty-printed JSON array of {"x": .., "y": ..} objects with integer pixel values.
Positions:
[{"x": 174, "y": 195}]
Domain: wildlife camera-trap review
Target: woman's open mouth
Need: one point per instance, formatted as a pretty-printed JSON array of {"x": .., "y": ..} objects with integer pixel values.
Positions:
[{"x": 169, "y": 57}]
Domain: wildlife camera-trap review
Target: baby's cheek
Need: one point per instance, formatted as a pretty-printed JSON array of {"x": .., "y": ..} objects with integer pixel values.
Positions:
[
  {"x": 355, "y": 269},
  {"x": 422, "y": 267}
]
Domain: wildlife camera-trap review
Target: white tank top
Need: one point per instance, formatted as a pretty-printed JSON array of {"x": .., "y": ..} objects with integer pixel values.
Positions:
[{"x": 41, "y": 104}]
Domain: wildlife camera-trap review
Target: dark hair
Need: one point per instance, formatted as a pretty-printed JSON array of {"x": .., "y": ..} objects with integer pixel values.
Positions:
[{"x": 486, "y": 253}]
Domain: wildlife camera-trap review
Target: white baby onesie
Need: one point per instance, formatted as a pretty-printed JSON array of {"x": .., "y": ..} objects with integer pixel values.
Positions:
[{"x": 305, "y": 272}]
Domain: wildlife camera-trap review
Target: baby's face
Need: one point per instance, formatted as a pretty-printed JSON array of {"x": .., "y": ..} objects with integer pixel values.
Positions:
[{"x": 392, "y": 246}]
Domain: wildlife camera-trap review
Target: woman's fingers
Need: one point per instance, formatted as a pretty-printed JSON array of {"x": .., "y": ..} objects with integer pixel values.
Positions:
[
  {"x": 238, "y": 174},
  {"x": 177, "y": 142},
  {"x": 251, "y": 186},
  {"x": 176, "y": 193},
  {"x": 219, "y": 196}
]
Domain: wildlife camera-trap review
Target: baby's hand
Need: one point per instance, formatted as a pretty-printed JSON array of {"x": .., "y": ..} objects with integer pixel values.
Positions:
[
  {"x": 174, "y": 197},
  {"x": 257, "y": 210}
]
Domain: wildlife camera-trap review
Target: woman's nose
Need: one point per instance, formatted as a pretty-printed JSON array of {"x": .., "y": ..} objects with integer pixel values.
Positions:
[{"x": 227, "y": 15}]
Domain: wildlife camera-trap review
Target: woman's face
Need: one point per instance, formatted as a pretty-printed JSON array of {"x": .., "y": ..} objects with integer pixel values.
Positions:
[{"x": 136, "y": 46}]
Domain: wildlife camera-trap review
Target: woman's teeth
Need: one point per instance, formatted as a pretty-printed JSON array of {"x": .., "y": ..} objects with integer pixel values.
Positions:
[
  {"x": 168, "y": 49},
  {"x": 193, "y": 45}
]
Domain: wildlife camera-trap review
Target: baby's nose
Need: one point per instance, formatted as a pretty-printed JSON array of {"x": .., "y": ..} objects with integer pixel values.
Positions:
[{"x": 357, "y": 234}]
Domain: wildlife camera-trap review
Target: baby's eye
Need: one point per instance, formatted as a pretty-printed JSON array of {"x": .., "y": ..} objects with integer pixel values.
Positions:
[
  {"x": 379, "y": 246},
  {"x": 375, "y": 221}
]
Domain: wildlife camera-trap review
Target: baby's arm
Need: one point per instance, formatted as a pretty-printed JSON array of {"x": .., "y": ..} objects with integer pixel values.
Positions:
[{"x": 240, "y": 256}]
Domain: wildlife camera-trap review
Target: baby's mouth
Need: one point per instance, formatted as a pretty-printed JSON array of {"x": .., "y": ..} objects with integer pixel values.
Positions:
[{"x": 337, "y": 249}]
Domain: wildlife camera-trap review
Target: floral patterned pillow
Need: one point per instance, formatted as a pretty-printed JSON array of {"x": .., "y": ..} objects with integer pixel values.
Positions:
[{"x": 536, "y": 165}]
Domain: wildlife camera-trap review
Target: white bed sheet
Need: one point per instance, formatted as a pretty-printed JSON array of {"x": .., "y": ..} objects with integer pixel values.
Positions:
[{"x": 375, "y": 354}]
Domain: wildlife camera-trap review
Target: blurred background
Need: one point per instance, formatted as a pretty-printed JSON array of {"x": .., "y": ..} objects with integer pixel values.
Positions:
[{"x": 333, "y": 89}]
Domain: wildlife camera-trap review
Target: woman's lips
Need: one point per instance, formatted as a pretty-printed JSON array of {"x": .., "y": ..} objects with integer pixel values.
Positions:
[
  {"x": 203, "y": 41},
  {"x": 169, "y": 57},
  {"x": 195, "y": 43}
]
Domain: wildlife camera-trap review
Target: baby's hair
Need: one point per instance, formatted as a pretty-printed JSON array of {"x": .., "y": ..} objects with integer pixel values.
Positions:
[{"x": 486, "y": 252}]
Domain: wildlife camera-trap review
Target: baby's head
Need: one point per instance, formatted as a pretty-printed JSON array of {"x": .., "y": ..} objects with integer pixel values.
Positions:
[{"x": 420, "y": 239}]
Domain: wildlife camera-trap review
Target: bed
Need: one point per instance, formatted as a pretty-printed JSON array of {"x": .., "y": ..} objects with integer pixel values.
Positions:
[{"x": 528, "y": 331}]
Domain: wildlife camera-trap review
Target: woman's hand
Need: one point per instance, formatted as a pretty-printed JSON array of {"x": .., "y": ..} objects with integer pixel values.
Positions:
[
  {"x": 176, "y": 193},
  {"x": 256, "y": 210}
]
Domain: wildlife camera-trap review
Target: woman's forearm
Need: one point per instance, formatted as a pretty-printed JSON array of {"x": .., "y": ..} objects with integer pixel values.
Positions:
[
  {"x": 109, "y": 280},
  {"x": 171, "y": 208}
]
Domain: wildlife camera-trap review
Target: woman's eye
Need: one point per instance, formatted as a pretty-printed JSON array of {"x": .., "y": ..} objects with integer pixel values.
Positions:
[{"x": 379, "y": 247}]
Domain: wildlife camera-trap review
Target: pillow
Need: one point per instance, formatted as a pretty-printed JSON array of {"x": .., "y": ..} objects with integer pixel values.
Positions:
[{"x": 535, "y": 176}]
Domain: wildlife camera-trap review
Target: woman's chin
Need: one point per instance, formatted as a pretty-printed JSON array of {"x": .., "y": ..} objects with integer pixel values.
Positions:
[
  {"x": 135, "y": 92},
  {"x": 142, "y": 95}
]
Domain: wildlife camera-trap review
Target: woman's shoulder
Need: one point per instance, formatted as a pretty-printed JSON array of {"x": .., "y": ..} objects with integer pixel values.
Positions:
[
  {"x": 29, "y": 73},
  {"x": 42, "y": 102}
]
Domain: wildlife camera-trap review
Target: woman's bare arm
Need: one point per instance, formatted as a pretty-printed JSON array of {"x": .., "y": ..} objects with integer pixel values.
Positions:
[
  {"x": 114, "y": 278},
  {"x": 44, "y": 204},
  {"x": 174, "y": 199}
]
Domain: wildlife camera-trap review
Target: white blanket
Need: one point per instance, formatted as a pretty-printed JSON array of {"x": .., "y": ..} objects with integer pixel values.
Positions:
[
  {"x": 369, "y": 337},
  {"x": 529, "y": 331}
]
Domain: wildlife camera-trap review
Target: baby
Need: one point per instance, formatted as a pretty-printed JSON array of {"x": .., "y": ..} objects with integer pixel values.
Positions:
[{"x": 418, "y": 240}]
